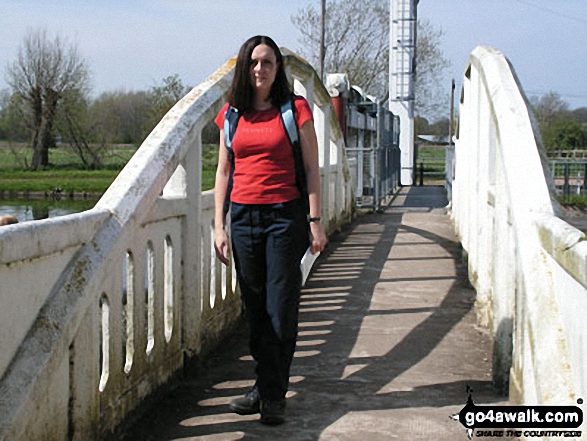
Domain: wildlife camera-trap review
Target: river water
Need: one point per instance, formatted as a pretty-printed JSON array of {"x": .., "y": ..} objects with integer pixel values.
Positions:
[{"x": 32, "y": 209}]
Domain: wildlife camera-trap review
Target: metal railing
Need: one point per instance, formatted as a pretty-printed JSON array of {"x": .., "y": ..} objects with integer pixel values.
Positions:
[
  {"x": 373, "y": 152},
  {"x": 569, "y": 176},
  {"x": 431, "y": 170}
]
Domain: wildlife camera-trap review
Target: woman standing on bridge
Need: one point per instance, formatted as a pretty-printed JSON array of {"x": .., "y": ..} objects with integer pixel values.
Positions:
[{"x": 269, "y": 223}]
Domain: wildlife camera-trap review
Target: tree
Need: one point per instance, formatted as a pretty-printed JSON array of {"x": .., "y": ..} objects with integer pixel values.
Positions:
[
  {"x": 76, "y": 127},
  {"x": 552, "y": 115},
  {"x": 13, "y": 117},
  {"x": 121, "y": 117},
  {"x": 421, "y": 126},
  {"x": 561, "y": 128},
  {"x": 164, "y": 96},
  {"x": 43, "y": 74},
  {"x": 356, "y": 40},
  {"x": 432, "y": 97},
  {"x": 567, "y": 135},
  {"x": 440, "y": 127},
  {"x": 580, "y": 115},
  {"x": 357, "y": 43},
  {"x": 548, "y": 108}
]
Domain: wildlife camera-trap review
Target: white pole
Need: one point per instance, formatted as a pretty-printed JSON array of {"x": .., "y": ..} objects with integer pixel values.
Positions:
[{"x": 403, "y": 24}]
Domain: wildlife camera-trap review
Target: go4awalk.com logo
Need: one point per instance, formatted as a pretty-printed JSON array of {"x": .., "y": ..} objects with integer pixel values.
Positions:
[{"x": 518, "y": 421}]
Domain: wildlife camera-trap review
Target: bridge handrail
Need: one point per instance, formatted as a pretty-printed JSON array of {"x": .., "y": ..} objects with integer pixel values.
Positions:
[
  {"x": 48, "y": 235},
  {"x": 525, "y": 263},
  {"x": 123, "y": 294}
]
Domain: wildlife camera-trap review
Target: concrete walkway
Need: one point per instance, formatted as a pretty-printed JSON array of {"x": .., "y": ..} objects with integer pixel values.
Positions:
[{"x": 388, "y": 343}]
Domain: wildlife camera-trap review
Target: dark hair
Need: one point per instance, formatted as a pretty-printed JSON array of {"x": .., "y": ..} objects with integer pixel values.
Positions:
[{"x": 240, "y": 95}]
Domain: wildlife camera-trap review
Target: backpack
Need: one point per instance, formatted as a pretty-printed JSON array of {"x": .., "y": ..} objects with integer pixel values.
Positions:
[{"x": 231, "y": 118}]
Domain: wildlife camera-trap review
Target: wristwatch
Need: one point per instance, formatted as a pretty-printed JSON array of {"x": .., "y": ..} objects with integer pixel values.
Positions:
[{"x": 313, "y": 219}]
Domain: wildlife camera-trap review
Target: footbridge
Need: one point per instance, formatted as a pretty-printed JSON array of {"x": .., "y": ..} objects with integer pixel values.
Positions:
[{"x": 119, "y": 323}]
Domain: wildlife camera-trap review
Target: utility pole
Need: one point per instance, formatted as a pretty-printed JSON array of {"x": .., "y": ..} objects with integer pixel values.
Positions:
[
  {"x": 322, "y": 40},
  {"x": 451, "y": 116}
]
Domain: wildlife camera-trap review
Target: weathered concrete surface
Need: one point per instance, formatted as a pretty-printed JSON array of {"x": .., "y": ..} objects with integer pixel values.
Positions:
[{"x": 388, "y": 343}]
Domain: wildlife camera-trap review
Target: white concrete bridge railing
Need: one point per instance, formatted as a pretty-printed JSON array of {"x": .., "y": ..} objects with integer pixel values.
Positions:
[
  {"x": 101, "y": 308},
  {"x": 528, "y": 266}
]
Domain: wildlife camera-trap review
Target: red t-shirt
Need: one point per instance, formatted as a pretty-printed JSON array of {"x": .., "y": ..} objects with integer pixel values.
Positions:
[{"x": 264, "y": 171}]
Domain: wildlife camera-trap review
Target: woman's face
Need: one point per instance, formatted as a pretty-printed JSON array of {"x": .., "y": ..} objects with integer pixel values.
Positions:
[{"x": 263, "y": 68}]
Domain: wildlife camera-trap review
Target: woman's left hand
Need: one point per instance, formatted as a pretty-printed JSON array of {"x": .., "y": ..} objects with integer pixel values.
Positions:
[{"x": 317, "y": 237}]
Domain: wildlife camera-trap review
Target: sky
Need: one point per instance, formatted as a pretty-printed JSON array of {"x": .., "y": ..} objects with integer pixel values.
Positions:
[
  {"x": 134, "y": 44},
  {"x": 543, "y": 39}
]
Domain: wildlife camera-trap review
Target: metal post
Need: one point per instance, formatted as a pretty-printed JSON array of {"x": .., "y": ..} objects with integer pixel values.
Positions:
[
  {"x": 359, "y": 191},
  {"x": 378, "y": 175},
  {"x": 566, "y": 189},
  {"x": 450, "y": 172}
]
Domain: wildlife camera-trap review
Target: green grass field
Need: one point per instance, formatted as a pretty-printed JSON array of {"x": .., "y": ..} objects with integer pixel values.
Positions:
[
  {"x": 67, "y": 170},
  {"x": 433, "y": 161}
]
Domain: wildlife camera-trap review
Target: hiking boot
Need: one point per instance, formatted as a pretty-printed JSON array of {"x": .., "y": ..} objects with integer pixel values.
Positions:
[
  {"x": 273, "y": 411},
  {"x": 248, "y": 404}
]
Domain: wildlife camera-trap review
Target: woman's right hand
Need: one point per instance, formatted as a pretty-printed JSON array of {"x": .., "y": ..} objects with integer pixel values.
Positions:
[{"x": 221, "y": 246}]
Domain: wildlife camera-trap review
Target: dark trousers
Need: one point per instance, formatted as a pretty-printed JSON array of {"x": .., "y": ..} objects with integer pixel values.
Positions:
[{"x": 268, "y": 242}]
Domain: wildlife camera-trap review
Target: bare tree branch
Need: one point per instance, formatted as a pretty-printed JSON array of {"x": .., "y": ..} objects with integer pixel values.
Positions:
[
  {"x": 357, "y": 43},
  {"x": 46, "y": 70}
]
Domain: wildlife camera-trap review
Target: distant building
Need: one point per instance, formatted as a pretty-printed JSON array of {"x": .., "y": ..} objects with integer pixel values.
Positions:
[{"x": 433, "y": 140}]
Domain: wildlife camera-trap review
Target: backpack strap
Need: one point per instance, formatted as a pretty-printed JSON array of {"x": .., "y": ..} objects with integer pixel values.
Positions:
[
  {"x": 231, "y": 118},
  {"x": 291, "y": 129},
  {"x": 289, "y": 121}
]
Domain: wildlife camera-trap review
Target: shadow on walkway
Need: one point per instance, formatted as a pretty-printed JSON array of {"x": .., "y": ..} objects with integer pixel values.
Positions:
[{"x": 387, "y": 344}]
